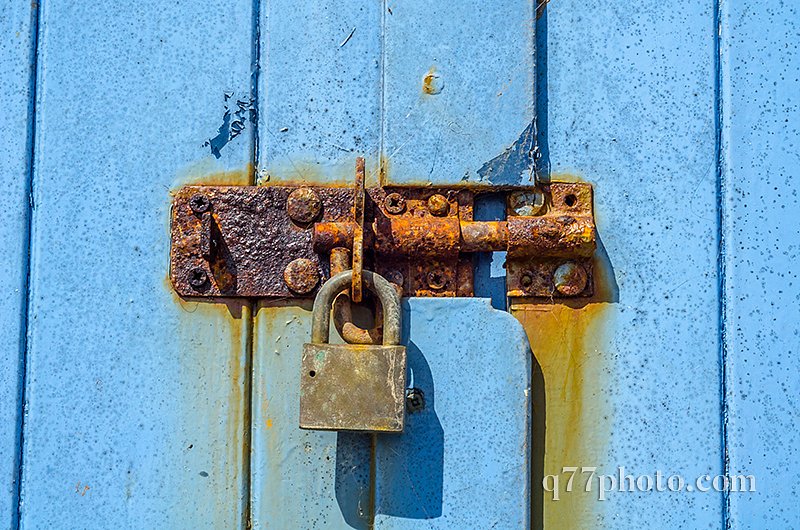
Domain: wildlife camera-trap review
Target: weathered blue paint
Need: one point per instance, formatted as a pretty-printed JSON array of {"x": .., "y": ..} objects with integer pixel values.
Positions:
[
  {"x": 627, "y": 101},
  {"x": 458, "y": 92},
  {"x": 760, "y": 111},
  {"x": 138, "y": 410},
  {"x": 17, "y": 59},
  {"x": 319, "y": 91},
  {"x": 319, "y": 108},
  {"x": 135, "y": 400},
  {"x": 462, "y": 461}
]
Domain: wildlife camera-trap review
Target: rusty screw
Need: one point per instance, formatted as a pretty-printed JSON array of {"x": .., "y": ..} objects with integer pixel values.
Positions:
[
  {"x": 301, "y": 275},
  {"x": 570, "y": 278},
  {"x": 435, "y": 280},
  {"x": 394, "y": 203},
  {"x": 199, "y": 203},
  {"x": 526, "y": 280},
  {"x": 198, "y": 278},
  {"x": 415, "y": 400},
  {"x": 303, "y": 205},
  {"x": 438, "y": 205},
  {"x": 526, "y": 203},
  {"x": 395, "y": 277}
]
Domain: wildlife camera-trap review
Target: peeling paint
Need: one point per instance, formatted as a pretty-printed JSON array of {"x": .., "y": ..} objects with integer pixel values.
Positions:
[
  {"x": 515, "y": 164},
  {"x": 234, "y": 120}
]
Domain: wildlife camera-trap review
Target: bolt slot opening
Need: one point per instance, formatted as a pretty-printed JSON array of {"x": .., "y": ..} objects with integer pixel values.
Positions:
[
  {"x": 570, "y": 200},
  {"x": 312, "y": 373}
]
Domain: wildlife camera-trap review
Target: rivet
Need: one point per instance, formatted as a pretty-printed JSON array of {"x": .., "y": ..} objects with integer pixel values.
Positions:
[
  {"x": 394, "y": 203},
  {"x": 570, "y": 279},
  {"x": 303, "y": 205},
  {"x": 199, "y": 203},
  {"x": 301, "y": 275},
  {"x": 438, "y": 205}
]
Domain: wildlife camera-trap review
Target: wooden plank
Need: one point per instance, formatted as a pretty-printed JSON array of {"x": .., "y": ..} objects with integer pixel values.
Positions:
[
  {"x": 17, "y": 27},
  {"x": 319, "y": 108},
  {"x": 632, "y": 378},
  {"x": 462, "y": 461},
  {"x": 136, "y": 399},
  {"x": 760, "y": 109},
  {"x": 459, "y": 93}
]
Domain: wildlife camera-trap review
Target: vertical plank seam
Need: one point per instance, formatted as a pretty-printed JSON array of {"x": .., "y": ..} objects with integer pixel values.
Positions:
[
  {"x": 249, "y": 324},
  {"x": 26, "y": 288},
  {"x": 382, "y": 104},
  {"x": 722, "y": 189}
]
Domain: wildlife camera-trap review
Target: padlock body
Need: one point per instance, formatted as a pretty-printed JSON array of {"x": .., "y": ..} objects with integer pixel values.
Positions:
[{"x": 348, "y": 387}]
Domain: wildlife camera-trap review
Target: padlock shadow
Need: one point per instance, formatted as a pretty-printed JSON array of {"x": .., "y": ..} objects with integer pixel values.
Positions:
[{"x": 410, "y": 466}]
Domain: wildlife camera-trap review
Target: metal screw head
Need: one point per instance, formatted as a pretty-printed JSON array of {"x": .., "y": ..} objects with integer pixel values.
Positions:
[
  {"x": 570, "y": 278},
  {"x": 394, "y": 203},
  {"x": 198, "y": 278},
  {"x": 436, "y": 280},
  {"x": 526, "y": 203},
  {"x": 301, "y": 275},
  {"x": 438, "y": 205},
  {"x": 303, "y": 205},
  {"x": 415, "y": 400},
  {"x": 199, "y": 203},
  {"x": 526, "y": 279},
  {"x": 395, "y": 277}
]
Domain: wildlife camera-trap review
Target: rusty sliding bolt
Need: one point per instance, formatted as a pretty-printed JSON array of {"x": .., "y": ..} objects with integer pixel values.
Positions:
[{"x": 520, "y": 236}]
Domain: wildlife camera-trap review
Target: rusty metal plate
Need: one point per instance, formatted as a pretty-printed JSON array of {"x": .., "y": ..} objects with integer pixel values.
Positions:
[
  {"x": 550, "y": 253},
  {"x": 241, "y": 240},
  {"x": 353, "y": 388}
]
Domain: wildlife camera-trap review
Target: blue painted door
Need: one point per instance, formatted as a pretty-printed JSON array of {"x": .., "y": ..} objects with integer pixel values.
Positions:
[{"x": 126, "y": 406}]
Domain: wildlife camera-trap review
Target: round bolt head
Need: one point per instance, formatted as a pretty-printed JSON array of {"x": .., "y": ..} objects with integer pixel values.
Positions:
[
  {"x": 436, "y": 280},
  {"x": 198, "y": 278},
  {"x": 301, "y": 275},
  {"x": 438, "y": 205},
  {"x": 199, "y": 203},
  {"x": 303, "y": 205},
  {"x": 570, "y": 279},
  {"x": 526, "y": 203},
  {"x": 394, "y": 203}
]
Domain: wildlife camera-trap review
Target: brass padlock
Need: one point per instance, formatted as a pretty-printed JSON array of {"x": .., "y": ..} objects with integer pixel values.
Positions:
[{"x": 351, "y": 387}]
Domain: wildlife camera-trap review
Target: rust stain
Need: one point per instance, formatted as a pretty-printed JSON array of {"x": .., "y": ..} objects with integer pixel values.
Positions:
[{"x": 432, "y": 83}]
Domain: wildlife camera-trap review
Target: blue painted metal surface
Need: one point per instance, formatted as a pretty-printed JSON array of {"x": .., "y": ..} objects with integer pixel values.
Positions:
[
  {"x": 17, "y": 56},
  {"x": 627, "y": 101},
  {"x": 139, "y": 403},
  {"x": 462, "y": 461},
  {"x": 135, "y": 400},
  {"x": 760, "y": 167},
  {"x": 458, "y": 99}
]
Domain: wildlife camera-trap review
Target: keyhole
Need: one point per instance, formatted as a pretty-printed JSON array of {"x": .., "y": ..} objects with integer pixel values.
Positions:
[{"x": 312, "y": 373}]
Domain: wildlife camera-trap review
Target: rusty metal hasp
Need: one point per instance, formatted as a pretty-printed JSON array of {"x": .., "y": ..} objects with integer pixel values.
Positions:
[{"x": 278, "y": 241}]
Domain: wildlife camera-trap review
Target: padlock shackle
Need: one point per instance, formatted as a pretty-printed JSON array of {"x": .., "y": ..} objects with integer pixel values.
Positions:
[{"x": 390, "y": 300}]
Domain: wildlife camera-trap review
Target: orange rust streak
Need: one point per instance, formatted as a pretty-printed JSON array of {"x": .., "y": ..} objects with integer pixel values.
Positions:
[{"x": 571, "y": 420}]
